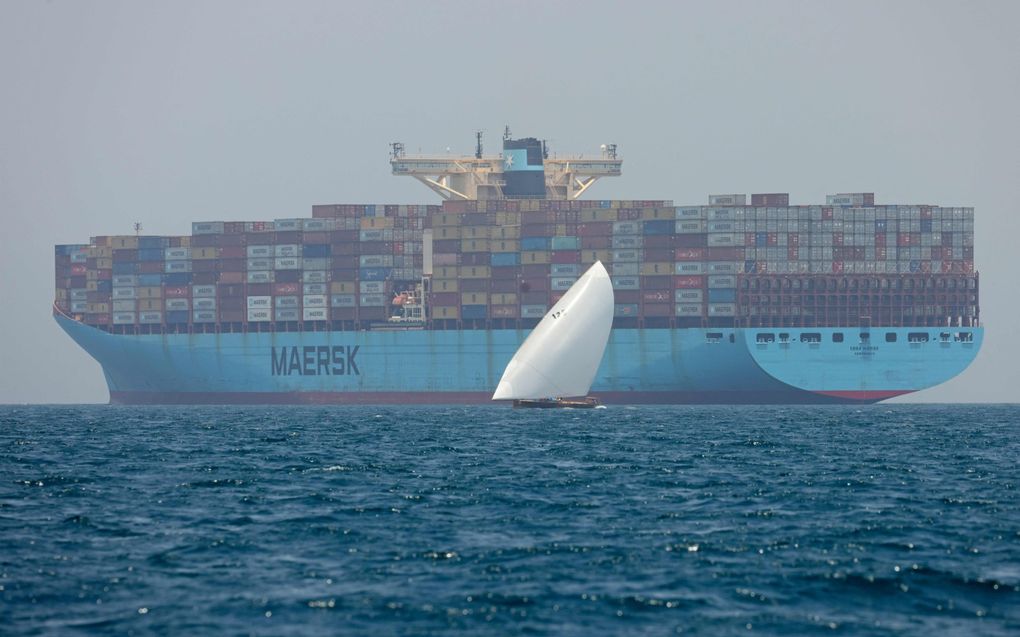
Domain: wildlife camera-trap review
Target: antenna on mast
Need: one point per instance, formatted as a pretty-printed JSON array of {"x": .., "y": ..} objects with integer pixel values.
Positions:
[
  {"x": 506, "y": 133},
  {"x": 478, "y": 144},
  {"x": 138, "y": 228},
  {"x": 396, "y": 150}
]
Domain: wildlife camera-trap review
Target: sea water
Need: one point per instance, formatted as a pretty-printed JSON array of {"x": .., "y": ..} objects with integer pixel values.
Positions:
[{"x": 879, "y": 520}]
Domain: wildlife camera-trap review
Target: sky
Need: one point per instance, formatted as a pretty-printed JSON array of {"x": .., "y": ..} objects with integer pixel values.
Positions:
[{"x": 166, "y": 113}]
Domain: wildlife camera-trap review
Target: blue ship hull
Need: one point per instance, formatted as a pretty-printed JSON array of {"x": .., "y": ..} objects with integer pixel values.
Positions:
[{"x": 419, "y": 366}]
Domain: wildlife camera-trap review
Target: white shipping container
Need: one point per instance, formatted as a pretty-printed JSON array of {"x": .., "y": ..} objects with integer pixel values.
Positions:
[
  {"x": 123, "y": 318},
  {"x": 723, "y": 239},
  {"x": 314, "y": 276},
  {"x": 287, "y": 263},
  {"x": 373, "y": 300},
  {"x": 260, "y": 315},
  {"x": 722, "y": 309},
  {"x": 724, "y": 267},
  {"x": 287, "y": 314},
  {"x": 125, "y": 281},
  {"x": 626, "y": 255},
  {"x": 150, "y": 317},
  {"x": 287, "y": 301},
  {"x": 688, "y": 309},
  {"x": 722, "y": 281},
  {"x": 689, "y": 267},
  {"x": 532, "y": 311},
  {"x": 314, "y": 300},
  {"x": 260, "y": 264},
  {"x": 376, "y": 260},
  {"x": 314, "y": 225},
  {"x": 343, "y": 300},
  {"x": 203, "y": 290},
  {"x": 203, "y": 316},
  {"x": 260, "y": 277},
  {"x": 626, "y": 242},
  {"x": 79, "y": 294},
  {"x": 287, "y": 224},
  {"x": 688, "y": 296},
  {"x": 79, "y": 306},
  {"x": 622, "y": 269},
  {"x": 171, "y": 254},
  {"x": 204, "y": 303},
  {"x": 561, "y": 282},
  {"x": 372, "y": 287},
  {"x": 316, "y": 288},
  {"x": 315, "y": 263},
  {"x": 257, "y": 302},
  {"x": 690, "y": 213},
  {"x": 626, "y": 283},
  {"x": 177, "y": 304},
  {"x": 572, "y": 269},
  {"x": 207, "y": 227},
  {"x": 727, "y": 200},
  {"x": 287, "y": 250},
  {"x": 626, "y": 227},
  {"x": 124, "y": 306},
  {"x": 685, "y": 226},
  {"x": 260, "y": 252},
  {"x": 178, "y": 266},
  {"x": 315, "y": 314},
  {"x": 125, "y": 293}
]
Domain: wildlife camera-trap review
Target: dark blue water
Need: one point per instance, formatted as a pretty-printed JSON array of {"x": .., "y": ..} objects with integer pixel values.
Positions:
[{"x": 395, "y": 521}]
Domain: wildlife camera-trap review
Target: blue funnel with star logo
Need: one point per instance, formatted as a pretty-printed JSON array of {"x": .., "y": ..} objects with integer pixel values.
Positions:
[{"x": 523, "y": 169}]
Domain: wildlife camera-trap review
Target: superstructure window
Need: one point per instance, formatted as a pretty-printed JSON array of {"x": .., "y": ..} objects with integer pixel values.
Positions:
[
  {"x": 890, "y": 337},
  {"x": 784, "y": 337},
  {"x": 810, "y": 337},
  {"x": 944, "y": 337},
  {"x": 766, "y": 337},
  {"x": 917, "y": 337},
  {"x": 965, "y": 337},
  {"x": 837, "y": 337},
  {"x": 713, "y": 337}
]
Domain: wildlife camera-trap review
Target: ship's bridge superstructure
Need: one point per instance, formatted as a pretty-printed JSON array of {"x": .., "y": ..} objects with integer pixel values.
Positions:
[{"x": 523, "y": 170}]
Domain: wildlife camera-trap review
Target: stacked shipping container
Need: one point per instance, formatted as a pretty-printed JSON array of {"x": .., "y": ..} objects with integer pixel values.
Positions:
[{"x": 499, "y": 264}]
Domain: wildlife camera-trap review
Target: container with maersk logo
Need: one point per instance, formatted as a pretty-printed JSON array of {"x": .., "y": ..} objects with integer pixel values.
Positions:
[{"x": 315, "y": 314}]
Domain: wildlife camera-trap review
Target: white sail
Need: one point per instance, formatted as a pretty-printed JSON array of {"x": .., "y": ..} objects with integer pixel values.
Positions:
[{"x": 562, "y": 354}]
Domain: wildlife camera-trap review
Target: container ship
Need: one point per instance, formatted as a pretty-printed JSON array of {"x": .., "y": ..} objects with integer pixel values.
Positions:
[{"x": 742, "y": 300}]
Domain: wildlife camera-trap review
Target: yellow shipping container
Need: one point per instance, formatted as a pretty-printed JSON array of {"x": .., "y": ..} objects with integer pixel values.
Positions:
[
  {"x": 205, "y": 253},
  {"x": 606, "y": 214},
  {"x": 343, "y": 287},
  {"x": 446, "y": 219},
  {"x": 99, "y": 252},
  {"x": 657, "y": 268},
  {"x": 104, "y": 263},
  {"x": 474, "y": 298},
  {"x": 446, "y": 312},
  {"x": 658, "y": 213},
  {"x": 535, "y": 256},
  {"x": 475, "y": 232},
  {"x": 185, "y": 242},
  {"x": 474, "y": 245},
  {"x": 482, "y": 206},
  {"x": 61, "y": 294},
  {"x": 591, "y": 256},
  {"x": 445, "y": 272},
  {"x": 474, "y": 272},
  {"x": 505, "y": 245},
  {"x": 506, "y": 232},
  {"x": 97, "y": 308},
  {"x": 149, "y": 305},
  {"x": 91, "y": 285},
  {"x": 376, "y": 223},
  {"x": 446, "y": 232},
  {"x": 508, "y": 218},
  {"x": 445, "y": 285},
  {"x": 124, "y": 242},
  {"x": 154, "y": 292},
  {"x": 504, "y": 299}
]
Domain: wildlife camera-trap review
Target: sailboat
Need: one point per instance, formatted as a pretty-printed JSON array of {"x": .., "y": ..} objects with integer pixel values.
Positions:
[{"x": 556, "y": 364}]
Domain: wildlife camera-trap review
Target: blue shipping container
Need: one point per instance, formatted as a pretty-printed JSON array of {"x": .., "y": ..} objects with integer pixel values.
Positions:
[
  {"x": 749, "y": 266},
  {"x": 374, "y": 274},
  {"x": 535, "y": 243},
  {"x": 177, "y": 316},
  {"x": 722, "y": 295},
  {"x": 153, "y": 243},
  {"x": 124, "y": 267},
  {"x": 473, "y": 311},
  {"x": 505, "y": 258},
  {"x": 104, "y": 285},
  {"x": 566, "y": 243},
  {"x": 315, "y": 251},
  {"x": 660, "y": 226},
  {"x": 761, "y": 239},
  {"x": 150, "y": 280},
  {"x": 177, "y": 278},
  {"x": 150, "y": 254}
]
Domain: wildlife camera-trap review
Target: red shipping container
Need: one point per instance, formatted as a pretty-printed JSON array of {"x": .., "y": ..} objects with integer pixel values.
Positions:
[
  {"x": 232, "y": 252},
  {"x": 231, "y": 303},
  {"x": 627, "y": 296},
  {"x": 792, "y": 253},
  {"x": 475, "y": 258},
  {"x": 176, "y": 292},
  {"x": 325, "y": 212},
  {"x": 311, "y": 238},
  {"x": 503, "y": 286},
  {"x": 658, "y": 241},
  {"x": 837, "y": 267},
  {"x": 503, "y": 311},
  {"x": 233, "y": 227},
  {"x": 688, "y": 281},
  {"x": 689, "y": 254},
  {"x": 793, "y": 239},
  {"x": 344, "y": 236},
  {"x": 826, "y": 213},
  {"x": 653, "y": 255},
  {"x": 880, "y": 240},
  {"x": 231, "y": 239},
  {"x": 837, "y": 238},
  {"x": 595, "y": 229},
  {"x": 348, "y": 261},
  {"x": 205, "y": 241},
  {"x": 288, "y": 236},
  {"x": 657, "y": 296},
  {"x": 721, "y": 254},
  {"x": 232, "y": 315},
  {"x": 691, "y": 240},
  {"x": 657, "y": 310},
  {"x": 566, "y": 256},
  {"x": 232, "y": 265},
  {"x": 287, "y": 289},
  {"x": 78, "y": 269},
  {"x": 231, "y": 277},
  {"x": 258, "y": 289},
  {"x": 772, "y": 239},
  {"x": 446, "y": 298},
  {"x": 205, "y": 265},
  {"x": 903, "y": 239},
  {"x": 555, "y": 297},
  {"x": 474, "y": 285},
  {"x": 534, "y": 270},
  {"x": 596, "y": 243},
  {"x": 652, "y": 282},
  {"x": 204, "y": 278},
  {"x": 508, "y": 272},
  {"x": 345, "y": 249}
]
